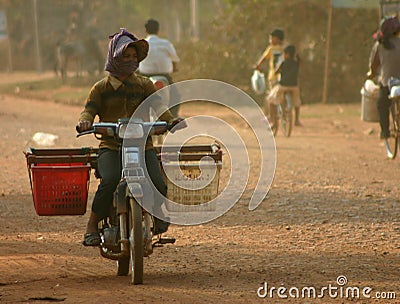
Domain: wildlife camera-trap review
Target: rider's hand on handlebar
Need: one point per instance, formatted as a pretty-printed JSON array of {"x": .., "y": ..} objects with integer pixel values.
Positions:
[
  {"x": 177, "y": 124},
  {"x": 83, "y": 125}
]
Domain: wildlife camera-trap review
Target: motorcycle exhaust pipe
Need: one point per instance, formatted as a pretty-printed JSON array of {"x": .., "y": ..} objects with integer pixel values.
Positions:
[
  {"x": 115, "y": 255},
  {"x": 124, "y": 242}
]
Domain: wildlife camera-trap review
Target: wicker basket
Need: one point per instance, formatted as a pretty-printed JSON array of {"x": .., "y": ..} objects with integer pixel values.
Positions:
[{"x": 187, "y": 184}]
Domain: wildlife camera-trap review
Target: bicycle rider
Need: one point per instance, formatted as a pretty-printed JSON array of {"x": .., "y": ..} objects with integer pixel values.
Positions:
[
  {"x": 273, "y": 54},
  {"x": 288, "y": 81},
  {"x": 385, "y": 62}
]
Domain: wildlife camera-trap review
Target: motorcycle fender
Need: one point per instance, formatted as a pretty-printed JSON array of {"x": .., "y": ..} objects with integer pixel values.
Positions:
[
  {"x": 135, "y": 190},
  {"x": 139, "y": 191}
]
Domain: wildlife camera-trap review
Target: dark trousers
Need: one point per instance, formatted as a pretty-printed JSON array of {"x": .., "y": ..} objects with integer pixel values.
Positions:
[
  {"x": 383, "y": 105},
  {"x": 110, "y": 168}
]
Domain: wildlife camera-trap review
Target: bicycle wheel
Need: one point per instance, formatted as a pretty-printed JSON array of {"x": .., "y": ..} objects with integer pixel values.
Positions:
[
  {"x": 397, "y": 105},
  {"x": 275, "y": 120},
  {"x": 392, "y": 142},
  {"x": 136, "y": 242},
  {"x": 287, "y": 116}
]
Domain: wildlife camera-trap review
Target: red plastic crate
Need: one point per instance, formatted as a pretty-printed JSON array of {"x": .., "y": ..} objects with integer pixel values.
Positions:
[{"x": 60, "y": 189}]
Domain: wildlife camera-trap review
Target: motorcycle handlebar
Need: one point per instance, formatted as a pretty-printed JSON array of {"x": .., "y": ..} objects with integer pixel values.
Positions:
[
  {"x": 111, "y": 129},
  {"x": 91, "y": 131}
]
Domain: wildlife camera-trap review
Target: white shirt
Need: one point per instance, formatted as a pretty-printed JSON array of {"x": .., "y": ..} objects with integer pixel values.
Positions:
[{"x": 160, "y": 57}]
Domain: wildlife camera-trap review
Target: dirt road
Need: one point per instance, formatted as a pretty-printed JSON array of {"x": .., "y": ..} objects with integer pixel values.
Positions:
[{"x": 333, "y": 210}]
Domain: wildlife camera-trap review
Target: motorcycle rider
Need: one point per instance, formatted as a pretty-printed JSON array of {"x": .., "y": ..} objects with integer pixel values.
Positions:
[
  {"x": 117, "y": 96},
  {"x": 161, "y": 60}
]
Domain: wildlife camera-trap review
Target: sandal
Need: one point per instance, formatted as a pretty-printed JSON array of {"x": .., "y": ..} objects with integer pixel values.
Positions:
[{"x": 91, "y": 239}]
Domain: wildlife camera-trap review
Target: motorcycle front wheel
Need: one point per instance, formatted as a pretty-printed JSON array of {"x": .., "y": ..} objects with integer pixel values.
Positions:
[{"x": 136, "y": 242}]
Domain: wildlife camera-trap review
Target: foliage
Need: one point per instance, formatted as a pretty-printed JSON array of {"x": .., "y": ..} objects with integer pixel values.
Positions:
[
  {"x": 240, "y": 34},
  {"x": 233, "y": 34}
]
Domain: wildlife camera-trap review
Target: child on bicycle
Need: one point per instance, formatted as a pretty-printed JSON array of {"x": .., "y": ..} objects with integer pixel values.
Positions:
[
  {"x": 288, "y": 82},
  {"x": 273, "y": 53}
]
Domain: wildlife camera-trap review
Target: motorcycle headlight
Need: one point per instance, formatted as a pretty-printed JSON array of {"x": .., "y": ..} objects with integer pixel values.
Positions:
[{"x": 130, "y": 131}]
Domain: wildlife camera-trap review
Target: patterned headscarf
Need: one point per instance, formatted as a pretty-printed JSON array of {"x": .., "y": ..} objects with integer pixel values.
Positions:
[{"x": 119, "y": 42}]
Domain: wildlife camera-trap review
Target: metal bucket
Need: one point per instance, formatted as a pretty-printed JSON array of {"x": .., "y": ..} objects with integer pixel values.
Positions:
[{"x": 369, "y": 109}]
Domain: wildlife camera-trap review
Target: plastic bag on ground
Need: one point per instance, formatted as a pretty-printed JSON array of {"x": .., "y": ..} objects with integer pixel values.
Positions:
[{"x": 44, "y": 139}]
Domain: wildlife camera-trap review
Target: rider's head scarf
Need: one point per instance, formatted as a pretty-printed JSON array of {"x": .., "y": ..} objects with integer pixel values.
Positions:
[{"x": 119, "y": 42}]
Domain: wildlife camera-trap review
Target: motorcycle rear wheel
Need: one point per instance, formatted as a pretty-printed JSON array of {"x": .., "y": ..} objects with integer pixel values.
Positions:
[
  {"x": 123, "y": 266},
  {"x": 136, "y": 242}
]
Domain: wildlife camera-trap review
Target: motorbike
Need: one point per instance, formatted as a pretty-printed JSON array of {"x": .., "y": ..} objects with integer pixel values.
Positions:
[
  {"x": 128, "y": 233},
  {"x": 59, "y": 179},
  {"x": 159, "y": 81}
]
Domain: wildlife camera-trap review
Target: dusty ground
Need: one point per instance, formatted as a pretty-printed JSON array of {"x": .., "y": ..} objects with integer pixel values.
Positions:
[{"x": 333, "y": 210}]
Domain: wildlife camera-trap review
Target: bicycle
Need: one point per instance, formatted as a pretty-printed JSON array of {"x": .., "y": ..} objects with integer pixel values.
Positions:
[
  {"x": 392, "y": 143},
  {"x": 284, "y": 116}
]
